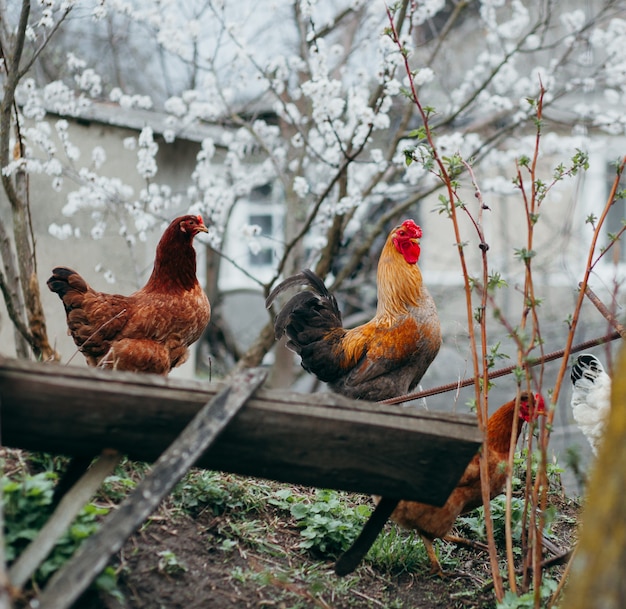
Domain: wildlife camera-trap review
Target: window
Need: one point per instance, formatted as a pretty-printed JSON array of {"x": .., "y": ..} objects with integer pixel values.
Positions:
[
  {"x": 264, "y": 255},
  {"x": 264, "y": 209}
]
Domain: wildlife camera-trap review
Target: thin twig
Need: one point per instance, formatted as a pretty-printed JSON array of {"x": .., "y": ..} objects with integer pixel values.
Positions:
[
  {"x": 559, "y": 589},
  {"x": 481, "y": 410},
  {"x": 610, "y": 317}
]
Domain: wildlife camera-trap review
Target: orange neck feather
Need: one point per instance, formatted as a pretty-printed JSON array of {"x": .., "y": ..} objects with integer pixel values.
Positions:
[
  {"x": 399, "y": 283},
  {"x": 499, "y": 427}
]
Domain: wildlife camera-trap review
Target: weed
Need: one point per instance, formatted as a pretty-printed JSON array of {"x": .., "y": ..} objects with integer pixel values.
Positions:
[
  {"x": 520, "y": 466},
  {"x": 27, "y": 506},
  {"x": 297, "y": 587},
  {"x": 475, "y": 521},
  {"x": 116, "y": 487},
  {"x": 169, "y": 563},
  {"x": 251, "y": 532},
  {"x": 527, "y": 600},
  {"x": 202, "y": 489},
  {"x": 396, "y": 551},
  {"x": 329, "y": 525}
]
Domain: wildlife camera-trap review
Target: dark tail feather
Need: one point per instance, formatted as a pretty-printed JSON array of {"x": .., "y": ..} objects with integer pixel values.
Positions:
[
  {"x": 305, "y": 277},
  {"x": 64, "y": 280},
  {"x": 351, "y": 558},
  {"x": 302, "y": 302}
]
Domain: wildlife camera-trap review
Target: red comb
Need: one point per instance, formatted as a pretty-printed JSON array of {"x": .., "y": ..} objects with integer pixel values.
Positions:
[
  {"x": 413, "y": 228},
  {"x": 540, "y": 405}
]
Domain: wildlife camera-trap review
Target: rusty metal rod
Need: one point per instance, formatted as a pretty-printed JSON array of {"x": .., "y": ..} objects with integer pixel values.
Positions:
[{"x": 594, "y": 342}]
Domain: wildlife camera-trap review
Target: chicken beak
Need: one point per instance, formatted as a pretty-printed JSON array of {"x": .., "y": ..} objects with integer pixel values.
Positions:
[{"x": 201, "y": 228}]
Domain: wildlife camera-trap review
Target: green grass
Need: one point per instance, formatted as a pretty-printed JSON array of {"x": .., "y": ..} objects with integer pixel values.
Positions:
[{"x": 397, "y": 551}]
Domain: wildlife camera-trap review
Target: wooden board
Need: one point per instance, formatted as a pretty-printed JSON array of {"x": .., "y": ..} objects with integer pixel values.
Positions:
[{"x": 321, "y": 440}]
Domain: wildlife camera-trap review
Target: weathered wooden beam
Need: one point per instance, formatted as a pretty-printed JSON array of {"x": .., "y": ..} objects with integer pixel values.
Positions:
[{"x": 321, "y": 440}]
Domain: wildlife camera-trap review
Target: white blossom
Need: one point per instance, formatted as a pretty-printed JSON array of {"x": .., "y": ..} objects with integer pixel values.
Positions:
[
  {"x": 423, "y": 76},
  {"x": 62, "y": 231},
  {"x": 300, "y": 186},
  {"x": 146, "y": 153},
  {"x": 427, "y": 9},
  {"x": 97, "y": 231},
  {"x": 175, "y": 105},
  {"x": 573, "y": 21},
  {"x": 98, "y": 156}
]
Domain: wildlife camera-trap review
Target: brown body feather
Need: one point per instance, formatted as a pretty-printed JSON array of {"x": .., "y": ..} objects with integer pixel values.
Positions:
[
  {"x": 150, "y": 330},
  {"x": 382, "y": 358}
]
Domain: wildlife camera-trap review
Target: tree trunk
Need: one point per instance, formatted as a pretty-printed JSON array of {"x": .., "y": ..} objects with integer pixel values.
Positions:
[
  {"x": 25, "y": 303},
  {"x": 597, "y": 577}
]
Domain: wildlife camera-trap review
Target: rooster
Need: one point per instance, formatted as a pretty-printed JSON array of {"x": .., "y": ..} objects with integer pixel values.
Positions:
[
  {"x": 433, "y": 522},
  {"x": 150, "y": 330},
  {"x": 591, "y": 397},
  {"x": 382, "y": 358}
]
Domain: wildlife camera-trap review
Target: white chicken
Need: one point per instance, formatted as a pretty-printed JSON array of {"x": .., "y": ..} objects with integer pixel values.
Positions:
[{"x": 591, "y": 397}]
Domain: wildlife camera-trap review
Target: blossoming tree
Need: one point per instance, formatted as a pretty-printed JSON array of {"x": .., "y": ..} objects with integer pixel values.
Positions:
[{"x": 320, "y": 96}]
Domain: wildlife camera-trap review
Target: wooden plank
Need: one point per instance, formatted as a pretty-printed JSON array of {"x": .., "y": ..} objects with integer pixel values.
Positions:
[
  {"x": 71, "y": 581},
  {"x": 69, "y": 506},
  {"x": 321, "y": 440}
]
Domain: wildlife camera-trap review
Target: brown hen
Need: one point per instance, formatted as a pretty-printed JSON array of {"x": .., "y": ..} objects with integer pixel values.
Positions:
[
  {"x": 150, "y": 330},
  {"x": 435, "y": 522}
]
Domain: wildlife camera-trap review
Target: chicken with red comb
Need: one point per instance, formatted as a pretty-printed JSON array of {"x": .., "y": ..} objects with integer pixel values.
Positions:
[
  {"x": 433, "y": 522},
  {"x": 150, "y": 330},
  {"x": 382, "y": 358}
]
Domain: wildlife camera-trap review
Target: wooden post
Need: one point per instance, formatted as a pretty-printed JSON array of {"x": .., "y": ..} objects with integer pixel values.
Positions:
[{"x": 351, "y": 558}]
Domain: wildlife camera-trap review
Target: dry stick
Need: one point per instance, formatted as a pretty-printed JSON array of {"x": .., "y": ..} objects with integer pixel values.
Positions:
[
  {"x": 481, "y": 411},
  {"x": 483, "y": 405},
  {"x": 100, "y": 327},
  {"x": 529, "y": 528},
  {"x": 57, "y": 524},
  {"x": 68, "y": 583},
  {"x": 564, "y": 578},
  {"x": 588, "y": 344},
  {"x": 610, "y": 317}
]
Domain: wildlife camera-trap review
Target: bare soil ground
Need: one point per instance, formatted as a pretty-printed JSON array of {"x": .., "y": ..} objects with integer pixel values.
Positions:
[{"x": 255, "y": 560}]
